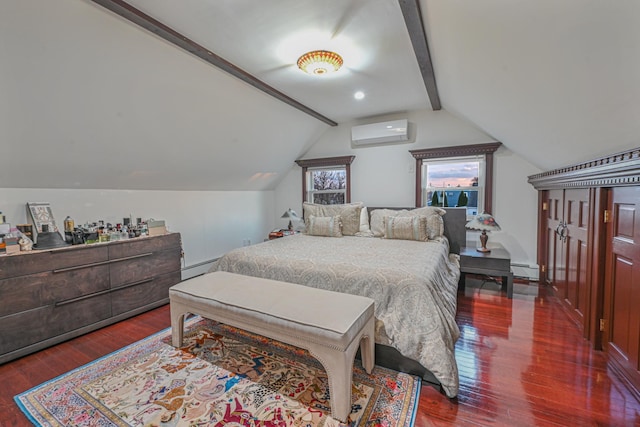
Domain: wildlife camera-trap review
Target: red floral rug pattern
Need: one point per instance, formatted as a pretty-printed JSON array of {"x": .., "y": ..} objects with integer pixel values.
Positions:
[{"x": 221, "y": 376}]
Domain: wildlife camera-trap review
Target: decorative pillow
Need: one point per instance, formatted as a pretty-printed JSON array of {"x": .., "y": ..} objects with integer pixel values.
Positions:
[
  {"x": 428, "y": 210},
  {"x": 406, "y": 227},
  {"x": 435, "y": 223},
  {"x": 328, "y": 226},
  {"x": 349, "y": 214},
  {"x": 377, "y": 219},
  {"x": 435, "y": 226}
]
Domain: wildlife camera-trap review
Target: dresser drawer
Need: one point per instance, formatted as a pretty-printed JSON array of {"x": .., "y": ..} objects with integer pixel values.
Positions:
[
  {"x": 30, "y": 327},
  {"x": 143, "y": 267},
  {"x": 48, "y": 288},
  {"x": 142, "y": 245},
  {"x": 148, "y": 292},
  {"x": 39, "y": 261}
]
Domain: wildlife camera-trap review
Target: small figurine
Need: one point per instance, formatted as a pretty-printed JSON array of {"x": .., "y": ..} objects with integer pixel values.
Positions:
[{"x": 25, "y": 243}]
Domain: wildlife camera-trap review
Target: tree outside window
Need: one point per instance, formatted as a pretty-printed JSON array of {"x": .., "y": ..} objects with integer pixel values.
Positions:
[
  {"x": 453, "y": 183},
  {"x": 328, "y": 186},
  {"x": 460, "y": 175},
  {"x": 326, "y": 180}
]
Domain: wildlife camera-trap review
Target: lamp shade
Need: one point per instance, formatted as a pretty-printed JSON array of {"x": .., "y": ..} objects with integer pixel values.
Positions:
[
  {"x": 289, "y": 214},
  {"x": 483, "y": 222},
  {"x": 320, "y": 62}
]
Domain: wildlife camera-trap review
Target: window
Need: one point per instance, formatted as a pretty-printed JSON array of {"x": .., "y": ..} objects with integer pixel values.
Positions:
[
  {"x": 326, "y": 186},
  {"x": 454, "y": 182},
  {"x": 456, "y": 176},
  {"x": 326, "y": 181}
]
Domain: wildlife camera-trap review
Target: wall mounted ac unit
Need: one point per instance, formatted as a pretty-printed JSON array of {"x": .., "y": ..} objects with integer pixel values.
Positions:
[{"x": 378, "y": 133}]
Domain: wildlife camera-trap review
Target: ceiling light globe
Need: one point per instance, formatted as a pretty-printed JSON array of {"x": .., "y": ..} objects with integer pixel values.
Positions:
[{"x": 319, "y": 62}]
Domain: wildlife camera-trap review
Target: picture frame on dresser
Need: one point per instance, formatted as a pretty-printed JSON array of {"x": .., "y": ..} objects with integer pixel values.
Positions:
[{"x": 40, "y": 214}]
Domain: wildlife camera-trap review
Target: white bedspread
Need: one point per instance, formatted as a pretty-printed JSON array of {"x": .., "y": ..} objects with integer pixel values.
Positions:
[{"x": 413, "y": 284}]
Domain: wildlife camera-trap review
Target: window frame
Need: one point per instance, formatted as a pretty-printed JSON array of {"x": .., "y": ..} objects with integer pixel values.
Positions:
[
  {"x": 450, "y": 161},
  {"x": 327, "y": 162},
  {"x": 441, "y": 153}
]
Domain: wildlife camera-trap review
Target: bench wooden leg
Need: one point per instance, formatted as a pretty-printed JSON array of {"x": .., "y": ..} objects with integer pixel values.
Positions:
[
  {"x": 178, "y": 312},
  {"x": 368, "y": 346},
  {"x": 339, "y": 368}
]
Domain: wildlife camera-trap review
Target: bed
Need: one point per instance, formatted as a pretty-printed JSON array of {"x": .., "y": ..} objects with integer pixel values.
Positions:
[{"x": 412, "y": 281}]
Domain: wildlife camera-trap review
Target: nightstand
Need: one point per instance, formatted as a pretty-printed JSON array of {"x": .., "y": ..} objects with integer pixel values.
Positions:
[{"x": 496, "y": 263}]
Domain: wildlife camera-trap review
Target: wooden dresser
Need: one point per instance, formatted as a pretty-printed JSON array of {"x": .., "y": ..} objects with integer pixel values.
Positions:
[{"x": 50, "y": 296}]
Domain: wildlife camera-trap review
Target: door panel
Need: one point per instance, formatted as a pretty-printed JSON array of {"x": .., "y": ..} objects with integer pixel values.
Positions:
[
  {"x": 622, "y": 281},
  {"x": 576, "y": 292},
  {"x": 555, "y": 262},
  {"x": 622, "y": 297}
]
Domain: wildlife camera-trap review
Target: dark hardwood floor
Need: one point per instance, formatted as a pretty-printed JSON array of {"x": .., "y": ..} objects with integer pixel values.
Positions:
[{"x": 521, "y": 362}]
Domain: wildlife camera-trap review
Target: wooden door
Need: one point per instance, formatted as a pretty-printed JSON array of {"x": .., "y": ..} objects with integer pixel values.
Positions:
[
  {"x": 622, "y": 283},
  {"x": 555, "y": 262},
  {"x": 576, "y": 292}
]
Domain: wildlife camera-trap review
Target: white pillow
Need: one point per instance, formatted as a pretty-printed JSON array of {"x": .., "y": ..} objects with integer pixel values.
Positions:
[{"x": 364, "y": 220}]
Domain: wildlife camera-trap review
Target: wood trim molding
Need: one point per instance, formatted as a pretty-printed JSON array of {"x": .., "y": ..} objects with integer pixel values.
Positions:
[
  {"x": 456, "y": 150},
  {"x": 418, "y": 36},
  {"x": 345, "y": 161},
  {"x": 620, "y": 169},
  {"x": 145, "y": 21},
  {"x": 325, "y": 161},
  {"x": 486, "y": 149}
]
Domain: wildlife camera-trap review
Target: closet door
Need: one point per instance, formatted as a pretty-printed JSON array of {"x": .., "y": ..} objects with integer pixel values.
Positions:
[
  {"x": 555, "y": 274},
  {"x": 622, "y": 283},
  {"x": 575, "y": 244}
]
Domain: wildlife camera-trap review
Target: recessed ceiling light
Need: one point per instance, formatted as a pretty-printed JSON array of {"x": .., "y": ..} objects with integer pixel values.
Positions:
[{"x": 358, "y": 95}]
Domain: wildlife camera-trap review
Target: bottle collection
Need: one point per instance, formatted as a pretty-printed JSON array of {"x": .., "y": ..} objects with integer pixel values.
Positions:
[
  {"x": 103, "y": 232},
  {"x": 42, "y": 232}
]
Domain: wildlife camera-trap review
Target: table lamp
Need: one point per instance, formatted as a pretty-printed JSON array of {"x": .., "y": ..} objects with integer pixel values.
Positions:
[
  {"x": 483, "y": 222},
  {"x": 291, "y": 215}
]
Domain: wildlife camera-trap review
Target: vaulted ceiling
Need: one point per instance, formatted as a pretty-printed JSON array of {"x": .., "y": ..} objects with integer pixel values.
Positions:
[{"x": 91, "y": 99}]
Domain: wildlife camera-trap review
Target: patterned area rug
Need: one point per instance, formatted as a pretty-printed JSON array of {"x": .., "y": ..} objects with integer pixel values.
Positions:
[{"x": 222, "y": 376}]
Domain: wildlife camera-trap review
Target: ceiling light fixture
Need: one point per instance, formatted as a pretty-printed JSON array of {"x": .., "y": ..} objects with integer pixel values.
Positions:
[
  {"x": 358, "y": 95},
  {"x": 320, "y": 62}
]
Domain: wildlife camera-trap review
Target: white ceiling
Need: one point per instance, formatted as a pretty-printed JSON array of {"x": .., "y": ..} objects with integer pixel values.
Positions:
[
  {"x": 93, "y": 101},
  {"x": 267, "y": 38}
]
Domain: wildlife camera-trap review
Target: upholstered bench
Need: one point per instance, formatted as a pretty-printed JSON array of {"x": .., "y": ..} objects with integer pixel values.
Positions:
[{"x": 330, "y": 325}]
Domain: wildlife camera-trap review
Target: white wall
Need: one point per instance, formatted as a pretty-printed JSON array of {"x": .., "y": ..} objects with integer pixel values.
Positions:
[
  {"x": 98, "y": 102},
  {"x": 210, "y": 222},
  {"x": 385, "y": 175}
]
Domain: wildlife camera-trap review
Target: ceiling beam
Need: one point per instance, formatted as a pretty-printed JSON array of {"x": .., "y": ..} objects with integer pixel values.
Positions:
[
  {"x": 145, "y": 21},
  {"x": 418, "y": 36}
]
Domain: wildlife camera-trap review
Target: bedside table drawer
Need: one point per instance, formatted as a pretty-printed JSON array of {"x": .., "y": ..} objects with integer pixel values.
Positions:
[{"x": 485, "y": 263}]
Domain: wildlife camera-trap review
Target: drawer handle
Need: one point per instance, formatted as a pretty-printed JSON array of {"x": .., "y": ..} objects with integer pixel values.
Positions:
[
  {"x": 131, "y": 257},
  {"x": 106, "y": 291},
  {"x": 95, "y": 264},
  {"x": 83, "y": 297}
]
